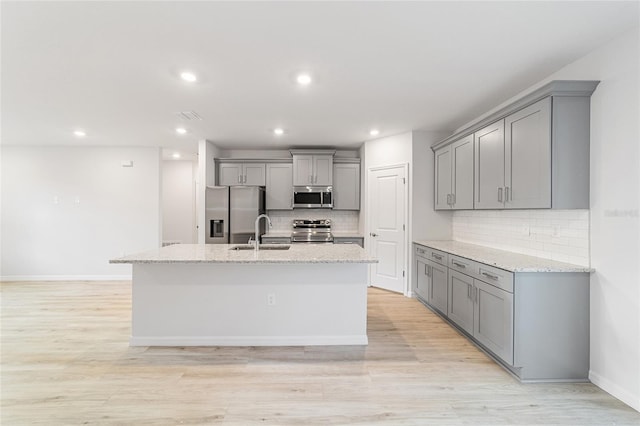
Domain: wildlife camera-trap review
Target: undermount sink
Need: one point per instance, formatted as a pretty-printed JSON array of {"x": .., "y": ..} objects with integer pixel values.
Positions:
[{"x": 262, "y": 247}]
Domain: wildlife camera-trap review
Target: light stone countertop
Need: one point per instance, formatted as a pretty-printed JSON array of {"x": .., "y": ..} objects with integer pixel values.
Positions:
[
  {"x": 220, "y": 253},
  {"x": 509, "y": 261}
]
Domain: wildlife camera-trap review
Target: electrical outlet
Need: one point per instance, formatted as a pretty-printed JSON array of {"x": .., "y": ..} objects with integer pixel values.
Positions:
[{"x": 271, "y": 299}]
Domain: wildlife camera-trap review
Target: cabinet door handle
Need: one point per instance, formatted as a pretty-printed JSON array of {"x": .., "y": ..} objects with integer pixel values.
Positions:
[
  {"x": 426, "y": 270},
  {"x": 448, "y": 199},
  {"x": 453, "y": 199},
  {"x": 437, "y": 256},
  {"x": 460, "y": 265},
  {"x": 488, "y": 275},
  {"x": 500, "y": 195},
  {"x": 506, "y": 194},
  {"x": 469, "y": 291},
  {"x": 239, "y": 178}
]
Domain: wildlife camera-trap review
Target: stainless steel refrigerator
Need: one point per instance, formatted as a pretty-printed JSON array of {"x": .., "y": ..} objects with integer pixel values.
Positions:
[{"x": 231, "y": 212}]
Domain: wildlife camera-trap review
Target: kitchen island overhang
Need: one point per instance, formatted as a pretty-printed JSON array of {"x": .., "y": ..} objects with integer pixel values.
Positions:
[{"x": 210, "y": 295}]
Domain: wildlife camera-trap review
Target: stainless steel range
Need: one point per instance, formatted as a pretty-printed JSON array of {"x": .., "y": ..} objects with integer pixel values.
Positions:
[{"x": 312, "y": 231}]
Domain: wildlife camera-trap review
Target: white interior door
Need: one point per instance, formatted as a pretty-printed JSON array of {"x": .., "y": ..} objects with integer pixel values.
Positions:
[{"x": 387, "y": 239}]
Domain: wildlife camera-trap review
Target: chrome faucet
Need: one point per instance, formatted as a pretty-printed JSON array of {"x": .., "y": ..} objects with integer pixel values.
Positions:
[{"x": 258, "y": 229}]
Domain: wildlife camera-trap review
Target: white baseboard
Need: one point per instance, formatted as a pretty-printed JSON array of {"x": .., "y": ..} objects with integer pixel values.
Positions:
[
  {"x": 65, "y": 277},
  {"x": 614, "y": 390},
  {"x": 249, "y": 340}
]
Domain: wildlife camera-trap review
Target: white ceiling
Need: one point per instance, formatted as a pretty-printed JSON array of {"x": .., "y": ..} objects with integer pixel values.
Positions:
[{"x": 111, "y": 68}]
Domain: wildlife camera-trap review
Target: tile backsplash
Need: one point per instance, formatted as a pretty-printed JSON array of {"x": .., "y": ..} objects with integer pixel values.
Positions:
[
  {"x": 561, "y": 235},
  {"x": 341, "y": 220}
]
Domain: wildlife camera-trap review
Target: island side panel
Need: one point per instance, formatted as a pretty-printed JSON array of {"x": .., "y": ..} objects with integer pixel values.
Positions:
[
  {"x": 551, "y": 328},
  {"x": 219, "y": 304}
]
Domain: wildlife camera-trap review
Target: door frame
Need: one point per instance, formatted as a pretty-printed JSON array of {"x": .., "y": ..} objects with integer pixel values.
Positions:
[{"x": 407, "y": 227}]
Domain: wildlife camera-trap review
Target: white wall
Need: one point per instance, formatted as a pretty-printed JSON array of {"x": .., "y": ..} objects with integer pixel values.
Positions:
[
  {"x": 178, "y": 201},
  {"x": 614, "y": 211},
  {"x": 615, "y": 231},
  {"x": 412, "y": 148},
  {"x": 67, "y": 210}
]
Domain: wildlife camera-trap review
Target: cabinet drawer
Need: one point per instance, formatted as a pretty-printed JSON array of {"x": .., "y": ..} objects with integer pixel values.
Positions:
[
  {"x": 463, "y": 265},
  {"x": 495, "y": 276},
  {"x": 432, "y": 254},
  {"x": 276, "y": 240},
  {"x": 421, "y": 251}
]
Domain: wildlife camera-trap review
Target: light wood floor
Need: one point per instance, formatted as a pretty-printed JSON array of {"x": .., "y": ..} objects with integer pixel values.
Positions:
[{"x": 66, "y": 360}]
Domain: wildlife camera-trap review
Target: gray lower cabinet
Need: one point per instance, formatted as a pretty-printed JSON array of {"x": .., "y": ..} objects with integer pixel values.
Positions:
[
  {"x": 431, "y": 278},
  {"x": 279, "y": 186},
  {"x": 423, "y": 278},
  {"x": 493, "y": 319},
  {"x": 276, "y": 240},
  {"x": 536, "y": 324},
  {"x": 438, "y": 293},
  {"x": 349, "y": 240},
  {"x": 461, "y": 305}
]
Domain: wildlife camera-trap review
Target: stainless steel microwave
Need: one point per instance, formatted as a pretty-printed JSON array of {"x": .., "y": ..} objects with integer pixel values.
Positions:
[{"x": 312, "y": 197}]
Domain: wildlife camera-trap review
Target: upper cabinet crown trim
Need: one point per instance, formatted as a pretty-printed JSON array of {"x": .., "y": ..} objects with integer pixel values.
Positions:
[
  {"x": 554, "y": 88},
  {"x": 312, "y": 151},
  {"x": 252, "y": 160}
]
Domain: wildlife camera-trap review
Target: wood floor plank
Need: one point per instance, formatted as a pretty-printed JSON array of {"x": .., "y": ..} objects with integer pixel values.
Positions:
[{"x": 65, "y": 360}]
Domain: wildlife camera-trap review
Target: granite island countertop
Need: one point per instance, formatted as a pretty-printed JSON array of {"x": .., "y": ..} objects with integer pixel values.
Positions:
[
  {"x": 221, "y": 253},
  {"x": 509, "y": 261}
]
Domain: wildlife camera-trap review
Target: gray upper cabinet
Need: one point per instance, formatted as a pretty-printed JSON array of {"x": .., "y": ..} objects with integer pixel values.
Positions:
[
  {"x": 346, "y": 186},
  {"x": 312, "y": 169},
  {"x": 528, "y": 157},
  {"x": 489, "y": 167},
  {"x": 279, "y": 187},
  {"x": 531, "y": 154},
  {"x": 237, "y": 174},
  {"x": 454, "y": 175},
  {"x": 442, "y": 163}
]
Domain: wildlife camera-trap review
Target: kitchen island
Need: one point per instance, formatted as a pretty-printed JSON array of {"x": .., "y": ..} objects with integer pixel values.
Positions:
[{"x": 228, "y": 295}]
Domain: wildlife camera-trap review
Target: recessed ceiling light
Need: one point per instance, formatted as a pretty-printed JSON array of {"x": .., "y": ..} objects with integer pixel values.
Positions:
[
  {"x": 80, "y": 133},
  {"x": 374, "y": 132},
  {"x": 181, "y": 130},
  {"x": 176, "y": 155},
  {"x": 278, "y": 131},
  {"x": 188, "y": 76},
  {"x": 303, "y": 79}
]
